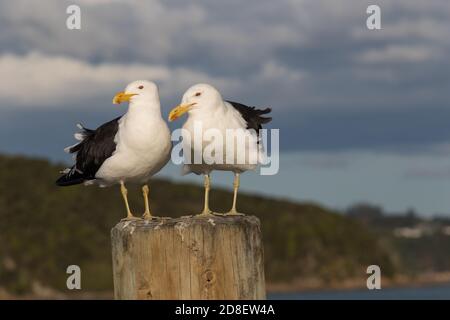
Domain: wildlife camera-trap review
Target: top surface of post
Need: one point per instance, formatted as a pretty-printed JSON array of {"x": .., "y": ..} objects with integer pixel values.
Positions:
[{"x": 164, "y": 222}]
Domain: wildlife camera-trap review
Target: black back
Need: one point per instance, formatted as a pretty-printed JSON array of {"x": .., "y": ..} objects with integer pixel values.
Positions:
[{"x": 96, "y": 146}]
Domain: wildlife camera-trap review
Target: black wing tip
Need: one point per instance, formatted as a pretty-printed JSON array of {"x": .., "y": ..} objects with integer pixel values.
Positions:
[
  {"x": 72, "y": 149},
  {"x": 70, "y": 180},
  {"x": 253, "y": 117},
  {"x": 82, "y": 127},
  {"x": 258, "y": 111},
  {"x": 265, "y": 111},
  {"x": 265, "y": 120}
]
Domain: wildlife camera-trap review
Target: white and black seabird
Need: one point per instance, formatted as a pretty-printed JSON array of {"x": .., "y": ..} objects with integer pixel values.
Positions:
[
  {"x": 130, "y": 148},
  {"x": 205, "y": 105}
]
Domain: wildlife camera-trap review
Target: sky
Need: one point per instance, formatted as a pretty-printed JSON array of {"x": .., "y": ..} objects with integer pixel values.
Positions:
[{"x": 362, "y": 113}]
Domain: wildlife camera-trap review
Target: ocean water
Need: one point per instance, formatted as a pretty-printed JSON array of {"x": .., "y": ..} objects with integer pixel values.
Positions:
[{"x": 437, "y": 292}]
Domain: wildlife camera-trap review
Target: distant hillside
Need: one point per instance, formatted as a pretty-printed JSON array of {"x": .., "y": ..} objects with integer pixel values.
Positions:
[
  {"x": 422, "y": 244},
  {"x": 43, "y": 229}
]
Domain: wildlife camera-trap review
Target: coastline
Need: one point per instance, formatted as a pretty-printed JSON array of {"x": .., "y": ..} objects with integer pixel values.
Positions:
[{"x": 399, "y": 281}]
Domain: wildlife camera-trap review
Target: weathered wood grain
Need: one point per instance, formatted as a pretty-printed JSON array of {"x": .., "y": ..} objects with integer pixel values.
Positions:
[{"x": 188, "y": 258}]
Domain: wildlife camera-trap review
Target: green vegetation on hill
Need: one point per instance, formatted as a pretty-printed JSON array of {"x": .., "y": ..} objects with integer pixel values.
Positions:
[
  {"x": 43, "y": 229},
  {"x": 422, "y": 244}
]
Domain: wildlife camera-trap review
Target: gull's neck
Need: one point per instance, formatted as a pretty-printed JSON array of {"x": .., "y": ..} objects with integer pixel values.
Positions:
[{"x": 145, "y": 109}]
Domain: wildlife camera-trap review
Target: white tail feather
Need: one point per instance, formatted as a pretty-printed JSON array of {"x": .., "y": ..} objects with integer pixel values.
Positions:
[
  {"x": 67, "y": 149},
  {"x": 79, "y": 136}
]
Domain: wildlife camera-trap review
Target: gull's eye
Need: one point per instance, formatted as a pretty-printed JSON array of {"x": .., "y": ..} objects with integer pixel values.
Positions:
[
  {"x": 141, "y": 87},
  {"x": 198, "y": 94}
]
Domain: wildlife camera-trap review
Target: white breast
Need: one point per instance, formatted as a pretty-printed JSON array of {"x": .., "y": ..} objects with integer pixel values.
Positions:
[
  {"x": 143, "y": 148},
  {"x": 221, "y": 120}
]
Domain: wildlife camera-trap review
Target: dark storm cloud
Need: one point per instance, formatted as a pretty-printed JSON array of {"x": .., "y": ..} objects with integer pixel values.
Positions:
[
  {"x": 376, "y": 130},
  {"x": 428, "y": 173}
]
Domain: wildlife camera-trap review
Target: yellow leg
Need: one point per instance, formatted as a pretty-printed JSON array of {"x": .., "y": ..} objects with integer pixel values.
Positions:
[
  {"x": 147, "y": 215},
  {"x": 124, "y": 192},
  {"x": 206, "y": 210},
  {"x": 236, "y": 184}
]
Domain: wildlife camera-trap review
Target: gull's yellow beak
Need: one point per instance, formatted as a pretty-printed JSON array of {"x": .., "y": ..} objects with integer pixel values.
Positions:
[
  {"x": 122, "y": 97},
  {"x": 179, "y": 110}
]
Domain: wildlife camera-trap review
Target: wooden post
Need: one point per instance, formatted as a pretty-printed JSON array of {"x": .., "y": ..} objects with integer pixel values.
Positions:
[{"x": 188, "y": 258}]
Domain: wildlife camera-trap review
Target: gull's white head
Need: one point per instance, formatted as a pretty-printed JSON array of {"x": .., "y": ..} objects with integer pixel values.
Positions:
[
  {"x": 137, "y": 91},
  {"x": 198, "y": 98}
]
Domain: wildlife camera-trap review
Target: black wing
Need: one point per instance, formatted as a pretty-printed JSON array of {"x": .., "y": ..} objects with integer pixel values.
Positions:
[
  {"x": 95, "y": 147},
  {"x": 252, "y": 116}
]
